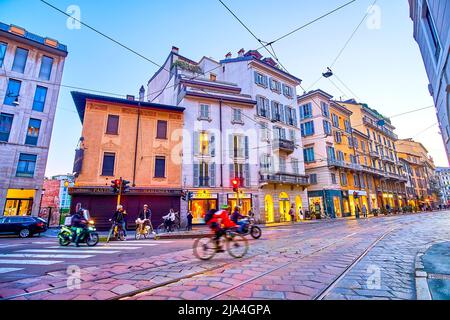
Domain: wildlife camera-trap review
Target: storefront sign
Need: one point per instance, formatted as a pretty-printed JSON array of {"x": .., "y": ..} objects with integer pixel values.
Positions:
[
  {"x": 205, "y": 195},
  {"x": 133, "y": 191},
  {"x": 358, "y": 192},
  {"x": 241, "y": 196}
]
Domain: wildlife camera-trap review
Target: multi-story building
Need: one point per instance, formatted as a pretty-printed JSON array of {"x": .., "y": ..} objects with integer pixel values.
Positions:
[
  {"x": 422, "y": 168},
  {"x": 65, "y": 200},
  {"x": 135, "y": 140},
  {"x": 245, "y": 108},
  {"x": 55, "y": 198},
  {"x": 411, "y": 191},
  {"x": 431, "y": 30},
  {"x": 443, "y": 178},
  {"x": 382, "y": 159},
  {"x": 336, "y": 157},
  {"x": 31, "y": 68}
]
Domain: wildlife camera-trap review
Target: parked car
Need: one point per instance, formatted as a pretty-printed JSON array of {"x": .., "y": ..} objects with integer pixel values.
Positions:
[{"x": 24, "y": 227}]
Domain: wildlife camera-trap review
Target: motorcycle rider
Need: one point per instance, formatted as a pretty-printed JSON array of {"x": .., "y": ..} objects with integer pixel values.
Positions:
[
  {"x": 236, "y": 217},
  {"x": 78, "y": 224},
  {"x": 119, "y": 217},
  {"x": 219, "y": 222}
]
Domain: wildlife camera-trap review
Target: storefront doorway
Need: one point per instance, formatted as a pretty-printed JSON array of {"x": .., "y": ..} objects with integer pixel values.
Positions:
[
  {"x": 316, "y": 205},
  {"x": 268, "y": 208},
  {"x": 285, "y": 206},
  {"x": 200, "y": 204},
  {"x": 245, "y": 203},
  {"x": 19, "y": 202},
  {"x": 298, "y": 207}
]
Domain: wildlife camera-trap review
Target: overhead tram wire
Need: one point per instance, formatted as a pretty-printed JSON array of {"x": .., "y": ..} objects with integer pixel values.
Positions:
[{"x": 310, "y": 23}]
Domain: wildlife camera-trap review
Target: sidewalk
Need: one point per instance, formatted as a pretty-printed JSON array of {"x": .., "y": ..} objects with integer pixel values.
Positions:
[{"x": 434, "y": 272}]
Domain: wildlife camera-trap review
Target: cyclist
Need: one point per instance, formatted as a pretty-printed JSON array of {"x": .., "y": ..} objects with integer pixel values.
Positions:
[
  {"x": 120, "y": 217},
  {"x": 219, "y": 222}
]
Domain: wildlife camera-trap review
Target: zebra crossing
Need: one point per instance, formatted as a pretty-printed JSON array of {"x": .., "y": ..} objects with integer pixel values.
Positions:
[{"x": 49, "y": 254}]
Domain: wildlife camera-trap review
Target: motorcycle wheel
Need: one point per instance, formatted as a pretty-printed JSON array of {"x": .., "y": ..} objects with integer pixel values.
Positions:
[
  {"x": 64, "y": 239},
  {"x": 256, "y": 232},
  {"x": 92, "y": 239}
]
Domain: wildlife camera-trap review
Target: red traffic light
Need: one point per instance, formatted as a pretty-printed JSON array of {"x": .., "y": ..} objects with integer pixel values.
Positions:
[
  {"x": 235, "y": 182},
  {"x": 117, "y": 182}
]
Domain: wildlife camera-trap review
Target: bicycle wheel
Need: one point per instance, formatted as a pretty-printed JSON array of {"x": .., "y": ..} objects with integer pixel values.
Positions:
[
  {"x": 138, "y": 234},
  {"x": 204, "y": 248},
  {"x": 237, "y": 246},
  {"x": 161, "y": 228}
]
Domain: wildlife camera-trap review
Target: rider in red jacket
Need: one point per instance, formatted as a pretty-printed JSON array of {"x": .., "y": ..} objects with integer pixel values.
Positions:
[{"x": 219, "y": 222}]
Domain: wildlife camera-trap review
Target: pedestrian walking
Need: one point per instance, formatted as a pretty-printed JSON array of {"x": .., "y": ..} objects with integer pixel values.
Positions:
[
  {"x": 364, "y": 211},
  {"x": 189, "y": 221},
  {"x": 358, "y": 212}
]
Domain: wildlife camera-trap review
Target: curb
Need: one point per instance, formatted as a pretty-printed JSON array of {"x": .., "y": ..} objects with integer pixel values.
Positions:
[{"x": 423, "y": 291}]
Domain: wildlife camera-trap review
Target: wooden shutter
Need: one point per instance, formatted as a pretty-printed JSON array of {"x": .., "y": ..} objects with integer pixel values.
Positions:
[
  {"x": 196, "y": 175},
  {"x": 247, "y": 175},
  {"x": 196, "y": 142},
  {"x": 246, "y": 148},
  {"x": 212, "y": 145},
  {"x": 212, "y": 175}
]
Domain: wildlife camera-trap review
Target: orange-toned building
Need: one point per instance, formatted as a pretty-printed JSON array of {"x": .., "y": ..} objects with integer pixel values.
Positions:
[{"x": 135, "y": 140}]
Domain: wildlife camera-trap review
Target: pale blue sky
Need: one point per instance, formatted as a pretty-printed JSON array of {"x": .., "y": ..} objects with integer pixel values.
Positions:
[{"x": 382, "y": 66}]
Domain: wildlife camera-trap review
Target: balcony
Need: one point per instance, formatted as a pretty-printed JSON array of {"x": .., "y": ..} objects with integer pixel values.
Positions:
[
  {"x": 374, "y": 154},
  {"x": 388, "y": 159},
  {"x": 285, "y": 178},
  {"x": 370, "y": 123},
  {"x": 371, "y": 170},
  {"x": 284, "y": 145},
  {"x": 345, "y": 165}
]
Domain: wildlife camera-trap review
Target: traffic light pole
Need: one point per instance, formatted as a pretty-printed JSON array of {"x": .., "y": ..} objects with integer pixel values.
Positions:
[{"x": 119, "y": 196}]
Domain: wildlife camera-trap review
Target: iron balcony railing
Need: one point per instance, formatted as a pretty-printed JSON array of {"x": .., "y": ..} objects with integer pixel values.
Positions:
[
  {"x": 285, "y": 145},
  {"x": 345, "y": 165},
  {"x": 285, "y": 178}
]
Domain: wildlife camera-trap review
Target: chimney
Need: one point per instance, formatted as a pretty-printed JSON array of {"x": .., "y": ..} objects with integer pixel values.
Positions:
[
  {"x": 241, "y": 52},
  {"x": 175, "y": 50},
  {"x": 228, "y": 55},
  {"x": 141, "y": 94}
]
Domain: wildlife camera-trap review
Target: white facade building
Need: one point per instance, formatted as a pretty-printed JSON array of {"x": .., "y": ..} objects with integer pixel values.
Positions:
[
  {"x": 240, "y": 115},
  {"x": 431, "y": 20},
  {"x": 443, "y": 176},
  {"x": 31, "y": 69}
]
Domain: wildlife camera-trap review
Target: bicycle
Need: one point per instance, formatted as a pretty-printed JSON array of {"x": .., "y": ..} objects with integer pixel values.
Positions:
[
  {"x": 117, "y": 232},
  {"x": 145, "y": 230},
  {"x": 175, "y": 227},
  {"x": 236, "y": 245}
]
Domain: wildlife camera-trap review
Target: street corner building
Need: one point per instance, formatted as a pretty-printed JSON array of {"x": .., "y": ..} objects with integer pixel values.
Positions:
[
  {"x": 350, "y": 157},
  {"x": 131, "y": 139},
  {"x": 32, "y": 68},
  {"x": 431, "y": 21},
  {"x": 242, "y": 122}
]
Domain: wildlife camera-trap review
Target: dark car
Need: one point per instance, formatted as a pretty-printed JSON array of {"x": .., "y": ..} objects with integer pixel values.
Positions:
[{"x": 22, "y": 226}]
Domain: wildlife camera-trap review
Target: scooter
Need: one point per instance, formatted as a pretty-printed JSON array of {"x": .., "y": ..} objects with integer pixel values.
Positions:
[
  {"x": 250, "y": 228},
  {"x": 88, "y": 235}
]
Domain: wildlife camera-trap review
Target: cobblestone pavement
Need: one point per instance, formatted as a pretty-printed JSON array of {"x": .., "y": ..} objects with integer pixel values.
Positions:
[{"x": 355, "y": 259}]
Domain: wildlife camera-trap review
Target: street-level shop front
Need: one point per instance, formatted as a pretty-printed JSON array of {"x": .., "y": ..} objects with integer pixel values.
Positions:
[
  {"x": 245, "y": 202},
  {"x": 102, "y": 203},
  {"x": 19, "y": 202},
  {"x": 328, "y": 202},
  {"x": 200, "y": 203}
]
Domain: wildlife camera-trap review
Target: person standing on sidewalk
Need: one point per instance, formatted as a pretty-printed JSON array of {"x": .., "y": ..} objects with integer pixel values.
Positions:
[
  {"x": 358, "y": 212},
  {"x": 189, "y": 221},
  {"x": 292, "y": 213},
  {"x": 364, "y": 211}
]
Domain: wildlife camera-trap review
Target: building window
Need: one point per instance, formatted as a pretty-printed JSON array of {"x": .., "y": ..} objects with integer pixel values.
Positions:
[
  {"x": 275, "y": 85},
  {"x": 12, "y": 92},
  {"x": 344, "y": 179},
  {"x": 264, "y": 130},
  {"x": 432, "y": 33},
  {"x": 109, "y": 160},
  {"x": 39, "y": 98},
  {"x": 46, "y": 68},
  {"x": 237, "y": 116},
  {"x": 313, "y": 178},
  {"x": 338, "y": 137},
  {"x": 327, "y": 127},
  {"x": 340, "y": 156},
  {"x": 277, "y": 111},
  {"x": 161, "y": 131},
  {"x": 266, "y": 163},
  {"x": 331, "y": 153},
  {"x": 20, "y": 60},
  {"x": 212, "y": 77},
  {"x": 307, "y": 129},
  {"x": 333, "y": 178},
  {"x": 295, "y": 166},
  {"x": 262, "y": 107},
  {"x": 325, "y": 110},
  {"x": 306, "y": 111},
  {"x": 291, "y": 116},
  {"x": 335, "y": 120},
  {"x": 261, "y": 79},
  {"x": 6, "y": 121},
  {"x": 309, "y": 155},
  {"x": 204, "y": 112},
  {"x": 26, "y": 165},
  {"x": 287, "y": 91},
  {"x": 160, "y": 167},
  {"x": 348, "y": 127},
  {"x": 3, "y": 47},
  {"x": 33, "y": 132},
  {"x": 112, "y": 126}
]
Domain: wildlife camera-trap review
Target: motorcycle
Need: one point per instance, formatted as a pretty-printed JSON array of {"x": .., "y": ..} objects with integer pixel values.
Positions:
[
  {"x": 89, "y": 234},
  {"x": 250, "y": 228}
]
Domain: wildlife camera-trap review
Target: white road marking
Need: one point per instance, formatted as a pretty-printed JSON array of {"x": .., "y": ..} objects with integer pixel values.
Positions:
[
  {"x": 65, "y": 251},
  {"x": 11, "y": 245},
  {"x": 133, "y": 244},
  {"x": 31, "y": 262},
  {"x": 6, "y": 270},
  {"x": 105, "y": 247},
  {"x": 45, "y": 256},
  {"x": 44, "y": 242}
]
